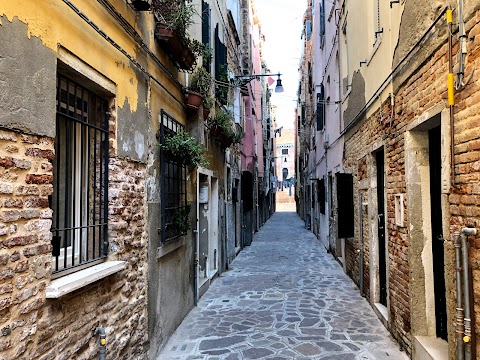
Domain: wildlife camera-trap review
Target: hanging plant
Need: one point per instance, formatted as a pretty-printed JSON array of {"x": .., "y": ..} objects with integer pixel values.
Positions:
[
  {"x": 221, "y": 127},
  {"x": 180, "y": 220},
  {"x": 200, "y": 81},
  {"x": 184, "y": 149}
]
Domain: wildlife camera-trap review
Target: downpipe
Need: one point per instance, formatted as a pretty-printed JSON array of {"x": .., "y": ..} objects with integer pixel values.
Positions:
[
  {"x": 362, "y": 292},
  {"x": 102, "y": 344},
  {"x": 459, "y": 314},
  {"x": 467, "y": 339}
]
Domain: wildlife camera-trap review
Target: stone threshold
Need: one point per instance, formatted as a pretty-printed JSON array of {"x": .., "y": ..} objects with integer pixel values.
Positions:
[
  {"x": 69, "y": 283},
  {"x": 382, "y": 313},
  {"x": 430, "y": 348}
]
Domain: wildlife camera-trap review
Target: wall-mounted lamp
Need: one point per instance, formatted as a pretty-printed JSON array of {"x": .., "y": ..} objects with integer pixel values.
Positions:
[{"x": 245, "y": 79}]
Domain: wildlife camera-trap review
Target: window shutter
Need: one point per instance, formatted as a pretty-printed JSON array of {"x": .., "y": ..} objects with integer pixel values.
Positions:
[
  {"x": 206, "y": 32},
  {"x": 345, "y": 205},
  {"x": 217, "y": 54},
  {"x": 309, "y": 29},
  {"x": 321, "y": 195},
  {"x": 320, "y": 108}
]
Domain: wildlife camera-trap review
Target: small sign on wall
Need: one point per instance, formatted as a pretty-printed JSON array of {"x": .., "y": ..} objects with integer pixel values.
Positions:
[{"x": 399, "y": 210}]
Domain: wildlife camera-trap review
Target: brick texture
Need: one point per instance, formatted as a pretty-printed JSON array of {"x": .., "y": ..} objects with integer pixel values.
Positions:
[
  {"x": 33, "y": 327},
  {"x": 425, "y": 88}
]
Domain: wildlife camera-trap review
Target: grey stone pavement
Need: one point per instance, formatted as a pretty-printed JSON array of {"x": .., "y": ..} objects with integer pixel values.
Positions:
[{"x": 284, "y": 297}]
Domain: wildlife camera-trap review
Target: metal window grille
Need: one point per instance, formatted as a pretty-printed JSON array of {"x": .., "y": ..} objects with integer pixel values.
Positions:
[
  {"x": 80, "y": 178},
  {"x": 174, "y": 185}
]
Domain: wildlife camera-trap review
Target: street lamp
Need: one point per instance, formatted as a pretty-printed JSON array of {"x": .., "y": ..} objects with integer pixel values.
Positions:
[{"x": 245, "y": 79}]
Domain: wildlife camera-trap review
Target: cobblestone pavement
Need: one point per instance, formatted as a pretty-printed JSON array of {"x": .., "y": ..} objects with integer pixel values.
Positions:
[{"x": 284, "y": 298}]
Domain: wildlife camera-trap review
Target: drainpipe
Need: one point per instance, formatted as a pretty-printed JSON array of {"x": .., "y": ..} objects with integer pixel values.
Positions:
[
  {"x": 451, "y": 93},
  {"x": 102, "y": 345},
  {"x": 466, "y": 291},
  {"x": 361, "y": 245},
  {"x": 459, "y": 329}
]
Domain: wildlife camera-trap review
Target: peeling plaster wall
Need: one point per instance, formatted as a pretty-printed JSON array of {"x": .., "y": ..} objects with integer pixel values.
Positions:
[
  {"x": 356, "y": 99},
  {"x": 32, "y": 35},
  {"x": 27, "y": 80}
]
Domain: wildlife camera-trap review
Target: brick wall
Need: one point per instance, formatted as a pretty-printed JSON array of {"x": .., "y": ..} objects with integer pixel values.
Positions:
[
  {"x": 424, "y": 89},
  {"x": 32, "y": 326}
]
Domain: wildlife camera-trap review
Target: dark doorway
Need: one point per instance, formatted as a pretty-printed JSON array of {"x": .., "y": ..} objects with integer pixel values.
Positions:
[
  {"x": 382, "y": 261},
  {"x": 247, "y": 201},
  {"x": 345, "y": 205},
  {"x": 434, "y": 141}
]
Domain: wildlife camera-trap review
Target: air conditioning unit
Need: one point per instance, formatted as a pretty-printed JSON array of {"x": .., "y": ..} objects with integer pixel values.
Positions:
[{"x": 326, "y": 142}]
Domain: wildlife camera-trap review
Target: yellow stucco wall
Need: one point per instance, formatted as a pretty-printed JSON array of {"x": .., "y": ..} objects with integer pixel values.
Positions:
[{"x": 57, "y": 25}]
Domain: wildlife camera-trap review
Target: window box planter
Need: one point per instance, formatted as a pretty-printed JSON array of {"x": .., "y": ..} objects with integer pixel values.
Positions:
[{"x": 175, "y": 46}]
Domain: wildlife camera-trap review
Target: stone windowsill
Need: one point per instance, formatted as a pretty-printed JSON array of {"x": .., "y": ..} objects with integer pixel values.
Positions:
[
  {"x": 69, "y": 283},
  {"x": 170, "y": 247},
  {"x": 430, "y": 348}
]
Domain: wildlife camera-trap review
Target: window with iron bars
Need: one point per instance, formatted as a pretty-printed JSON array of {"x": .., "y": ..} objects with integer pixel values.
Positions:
[
  {"x": 174, "y": 186},
  {"x": 80, "y": 178}
]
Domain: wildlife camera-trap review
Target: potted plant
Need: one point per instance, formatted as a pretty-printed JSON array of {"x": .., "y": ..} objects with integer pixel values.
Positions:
[
  {"x": 180, "y": 219},
  {"x": 177, "y": 221},
  {"x": 184, "y": 149},
  {"x": 221, "y": 127},
  {"x": 198, "y": 88},
  {"x": 173, "y": 19},
  {"x": 237, "y": 138},
  {"x": 208, "y": 103}
]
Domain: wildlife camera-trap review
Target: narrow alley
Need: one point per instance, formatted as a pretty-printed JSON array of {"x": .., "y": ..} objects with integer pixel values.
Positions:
[{"x": 284, "y": 297}]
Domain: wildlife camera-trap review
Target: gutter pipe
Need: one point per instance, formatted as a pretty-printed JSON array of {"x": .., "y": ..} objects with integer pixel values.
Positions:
[
  {"x": 102, "y": 345},
  {"x": 459, "y": 314},
  {"x": 466, "y": 291},
  {"x": 362, "y": 292}
]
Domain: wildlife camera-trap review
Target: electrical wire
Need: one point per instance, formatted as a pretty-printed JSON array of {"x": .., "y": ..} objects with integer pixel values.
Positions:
[{"x": 120, "y": 49}]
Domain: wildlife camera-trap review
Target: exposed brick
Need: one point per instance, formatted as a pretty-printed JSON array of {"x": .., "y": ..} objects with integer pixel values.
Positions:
[
  {"x": 4, "y": 259},
  {"x": 6, "y": 162},
  {"x": 12, "y": 149},
  {"x": 22, "y": 266},
  {"x": 38, "y": 179},
  {"x": 5, "y": 303},
  {"x": 19, "y": 241},
  {"x": 6, "y": 188},
  {"x": 6, "y": 288},
  {"x": 22, "y": 164},
  {"x": 37, "y": 250},
  {"x": 15, "y": 256},
  {"x": 13, "y": 203},
  {"x": 39, "y": 153},
  {"x": 6, "y": 274},
  {"x": 31, "y": 306},
  {"x": 36, "y": 203},
  {"x": 8, "y": 135},
  {"x": 27, "y": 190},
  {"x": 25, "y": 294},
  {"x": 38, "y": 225}
]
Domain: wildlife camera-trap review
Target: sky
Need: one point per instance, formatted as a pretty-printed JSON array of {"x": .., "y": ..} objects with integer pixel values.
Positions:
[{"x": 282, "y": 23}]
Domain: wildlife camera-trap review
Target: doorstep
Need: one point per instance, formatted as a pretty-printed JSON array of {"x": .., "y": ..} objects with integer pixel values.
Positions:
[{"x": 430, "y": 348}]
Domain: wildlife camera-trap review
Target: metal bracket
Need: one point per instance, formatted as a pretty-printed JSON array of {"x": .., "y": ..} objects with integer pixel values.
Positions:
[{"x": 394, "y": 2}]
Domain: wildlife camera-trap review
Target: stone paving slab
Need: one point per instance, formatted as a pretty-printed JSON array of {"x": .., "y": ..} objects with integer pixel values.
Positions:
[{"x": 284, "y": 298}]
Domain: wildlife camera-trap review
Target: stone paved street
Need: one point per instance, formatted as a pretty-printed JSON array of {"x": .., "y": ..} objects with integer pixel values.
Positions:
[{"x": 284, "y": 298}]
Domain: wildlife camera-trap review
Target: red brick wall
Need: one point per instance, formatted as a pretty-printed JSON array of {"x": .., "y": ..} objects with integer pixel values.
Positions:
[
  {"x": 35, "y": 327},
  {"x": 424, "y": 89}
]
